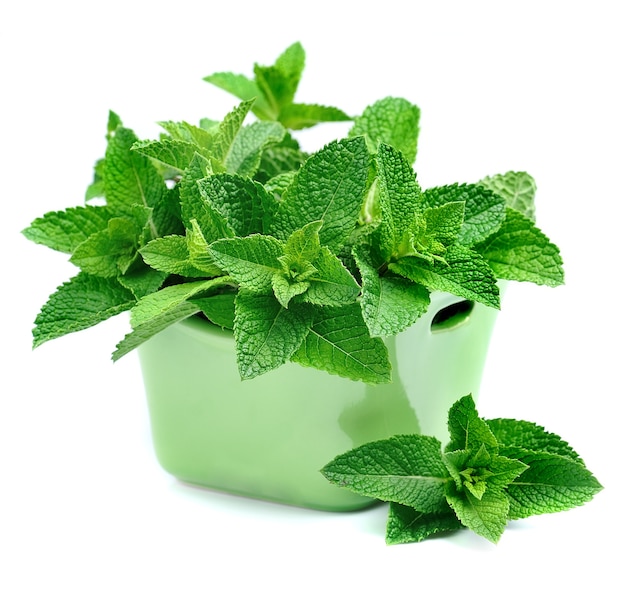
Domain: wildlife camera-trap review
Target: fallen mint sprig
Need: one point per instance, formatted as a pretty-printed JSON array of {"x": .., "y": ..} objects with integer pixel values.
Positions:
[{"x": 490, "y": 472}]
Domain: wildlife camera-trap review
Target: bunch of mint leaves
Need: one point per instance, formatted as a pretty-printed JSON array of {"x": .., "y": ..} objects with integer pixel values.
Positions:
[
  {"x": 490, "y": 472},
  {"x": 311, "y": 258}
]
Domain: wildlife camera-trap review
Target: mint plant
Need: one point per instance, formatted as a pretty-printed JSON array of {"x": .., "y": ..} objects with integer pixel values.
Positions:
[
  {"x": 309, "y": 258},
  {"x": 490, "y": 472}
]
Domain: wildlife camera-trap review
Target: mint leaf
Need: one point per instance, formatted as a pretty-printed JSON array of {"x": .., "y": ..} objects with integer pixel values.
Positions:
[
  {"x": 218, "y": 308},
  {"x": 391, "y": 121},
  {"x": 520, "y": 251},
  {"x": 245, "y": 154},
  {"x": 170, "y": 254},
  {"x": 266, "y": 333},
  {"x": 142, "y": 280},
  {"x": 252, "y": 260},
  {"x": 130, "y": 179},
  {"x": 399, "y": 196},
  {"x": 389, "y": 303},
  {"x": 406, "y": 469},
  {"x": 331, "y": 284},
  {"x": 339, "y": 343},
  {"x": 82, "y": 302},
  {"x": 243, "y": 203},
  {"x": 464, "y": 273},
  {"x": 245, "y": 89},
  {"x": 467, "y": 430},
  {"x": 516, "y": 188},
  {"x": 174, "y": 154},
  {"x": 111, "y": 251},
  {"x": 408, "y": 525},
  {"x": 159, "y": 310},
  {"x": 227, "y": 132},
  {"x": 552, "y": 483},
  {"x": 530, "y": 436},
  {"x": 484, "y": 209},
  {"x": 486, "y": 516},
  {"x": 64, "y": 230},
  {"x": 300, "y": 116},
  {"x": 330, "y": 188}
]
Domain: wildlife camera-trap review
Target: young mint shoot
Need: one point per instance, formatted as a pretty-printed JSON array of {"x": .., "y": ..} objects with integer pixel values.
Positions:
[
  {"x": 490, "y": 472},
  {"x": 316, "y": 259}
]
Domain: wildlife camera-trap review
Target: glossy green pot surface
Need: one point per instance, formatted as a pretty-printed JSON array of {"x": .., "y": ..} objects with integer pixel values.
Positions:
[{"x": 269, "y": 437}]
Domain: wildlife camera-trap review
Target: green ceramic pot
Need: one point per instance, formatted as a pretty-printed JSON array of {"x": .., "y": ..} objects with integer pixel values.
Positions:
[{"x": 269, "y": 437}]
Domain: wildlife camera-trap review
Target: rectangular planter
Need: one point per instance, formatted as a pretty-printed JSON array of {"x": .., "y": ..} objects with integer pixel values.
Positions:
[{"x": 269, "y": 437}]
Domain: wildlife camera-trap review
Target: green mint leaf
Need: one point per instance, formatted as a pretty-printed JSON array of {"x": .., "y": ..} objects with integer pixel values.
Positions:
[
  {"x": 174, "y": 154},
  {"x": 130, "y": 179},
  {"x": 285, "y": 290},
  {"x": 389, "y": 303},
  {"x": 142, "y": 280},
  {"x": 196, "y": 206},
  {"x": 300, "y": 116},
  {"x": 467, "y": 430},
  {"x": 408, "y": 525},
  {"x": 407, "y": 469},
  {"x": 185, "y": 132},
  {"x": 484, "y": 209},
  {"x": 266, "y": 333},
  {"x": 486, "y": 516},
  {"x": 111, "y": 251},
  {"x": 391, "y": 121},
  {"x": 218, "y": 308},
  {"x": 252, "y": 260},
  {"x": 242, "y": 202},
  {"x": 64, "y": 230},
  {"x": 552, "y": 483},
  {"x": 159, "y": 310},
  {"x": 464, "y": 273},
  {"x": 516, "y": 188},
  {"x": 228, "y": 131},
  {"x": 279, "y": 159},
  {"x": 434, "y": 229},
  {"x": 520, "y": 251},
  {"x": 399, "y": 197},
  {"x": 199, "y": 255},
  {"x": 243, "y": 88},
  {"x": 530, "y": 436},
  {"x": 244, "y": 157},
  {"x": 279, "y": 82},
  {"x": 339, "y": 343},
  {"x": 82, "y": 302},
  {"x": 331, "y": 284},
  {"x": 172, "y": 254},
  {"x": 330, "y": 188}
]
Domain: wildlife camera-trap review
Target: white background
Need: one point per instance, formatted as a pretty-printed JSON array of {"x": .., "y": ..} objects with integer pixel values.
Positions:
[{"x": 534, "y": 86}]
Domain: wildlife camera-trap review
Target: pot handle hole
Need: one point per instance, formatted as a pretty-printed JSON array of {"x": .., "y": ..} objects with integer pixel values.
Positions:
[{"x": 452, "y": 316}]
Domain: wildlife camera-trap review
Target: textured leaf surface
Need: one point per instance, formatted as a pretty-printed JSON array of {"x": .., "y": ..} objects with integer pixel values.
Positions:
[
  {"x": 467, "y": 430},
  {"x": 64, "y": 230},
  {"x": 80, "y": 303},
  {"x": 486, "y": 516},
  {"x": 465, "y": 273},
  {"x": 406, "y": 469},
  {"x": 400, "y": 197},
  {"x": 329, "y": 187},
  {"x": 300, "y": 116},
  {"x": 339, "y": 343},
  {"x": 408, "y": 525},
  {"x": 266, "y": 333},
  {"x": 242, "y": 202},
  {"x": 391, "y": 121},
  {"x": 552, "y": 483},
  {"x": 528, "y": 435},
  {"x": 484, "y": 210},
  {"x": 517, "y": 188},
  {"x": 251, "y": 260},
  {"x": 389, "y": 303},
  {"x": 245, "y": 154},
  {"x": 520, "y": 251}
]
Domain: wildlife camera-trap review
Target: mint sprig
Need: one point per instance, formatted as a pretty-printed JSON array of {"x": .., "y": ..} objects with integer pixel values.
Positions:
[
  {"x": 341, "y": 248},
  {"x": 490, "y": 472}
]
